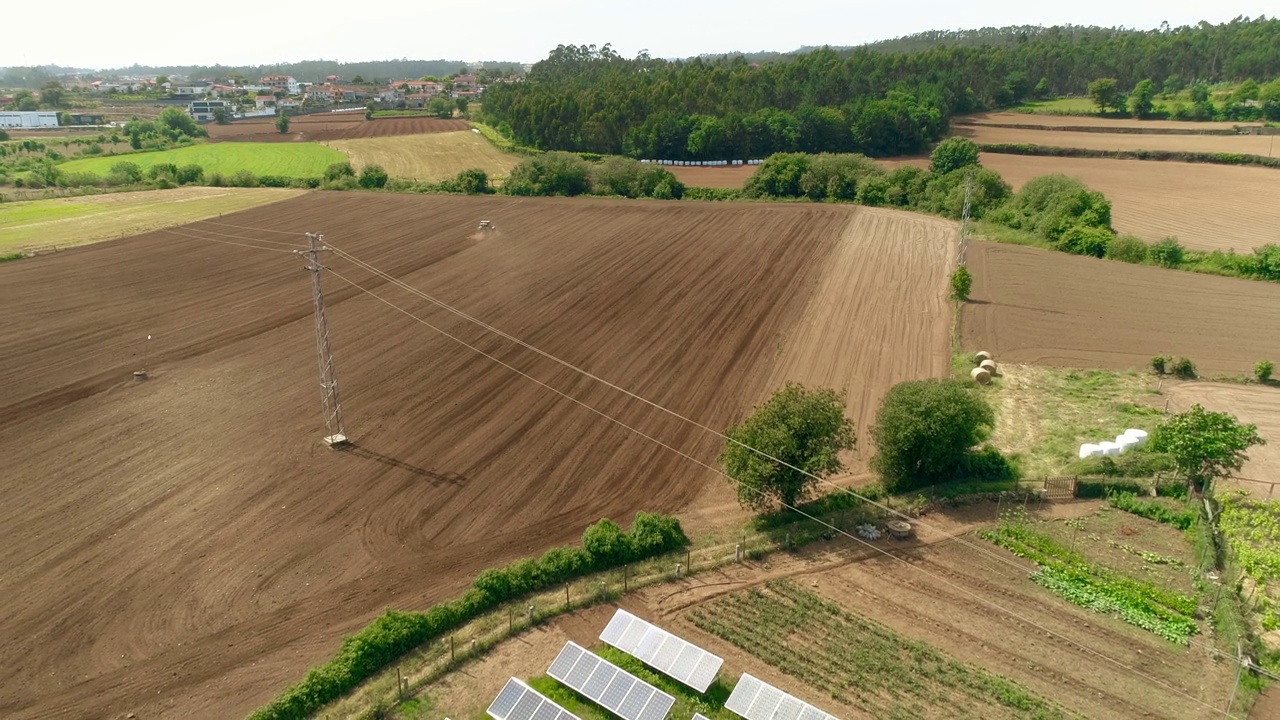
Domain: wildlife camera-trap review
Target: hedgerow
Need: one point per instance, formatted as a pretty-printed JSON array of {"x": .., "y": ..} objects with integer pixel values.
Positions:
[{"x": 395, "y": 633}]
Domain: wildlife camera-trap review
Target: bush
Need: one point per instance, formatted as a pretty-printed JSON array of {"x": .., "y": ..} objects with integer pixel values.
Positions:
[
  {"x": 160, "y": 170},
  {"x": 1167, "y": 253},
  {"x": 373, "y": 177},
  {"x": 1160, "y": 364},
  {"x": 944, "y": 194},
  {"x": 824, "y": 176},
  {"x": 986, "y": 465},
  {"x": 345, "y": 182},
  {"x": 218, "y": 180},
  {"x": 1136, "y": 464},
  {"x": 339, "y": 170},
  {"x": 953, "y": 153},
  {"x": 244, "y": 178},
  {"x": 128, "y": 172},
  {"x": 1127, "y": 248},
  {"x": 606, "y": 544},
  {"x": 1080, "y": 240},
  {"x": 1183, "y": 368},
  {"x": 1262, "y": 371},
  {"x": 1052, "y": 205},
  {"x": 79, "y": 180},
  {"x": 634, "y": 179},
  {"x": 961, "y": 283},
  {"x": 190, "y": 174},
  {"x": 469, "y": 182},
  {"x": 553, "y": 173}
]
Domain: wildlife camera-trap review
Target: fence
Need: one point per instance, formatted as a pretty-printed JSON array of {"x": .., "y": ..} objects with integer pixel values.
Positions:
[{"x": 703, "y": 163}]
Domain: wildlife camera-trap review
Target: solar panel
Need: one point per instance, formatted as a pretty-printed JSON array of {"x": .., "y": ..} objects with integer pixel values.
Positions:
[
  {"x": 608, "y": 685},
  {"x": 755, "y": 699},
  {"x": 518, "y": 701},
  {"x": 662, "y": 651}
]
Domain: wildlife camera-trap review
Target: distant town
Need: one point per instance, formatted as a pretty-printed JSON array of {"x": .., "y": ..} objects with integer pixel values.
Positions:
[{"x": 79, "y": 100}]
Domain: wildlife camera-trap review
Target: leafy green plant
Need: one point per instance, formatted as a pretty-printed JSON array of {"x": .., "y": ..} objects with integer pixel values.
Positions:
[
  {"x": 1152, "y": 510},
  {"x": 1262, "y": 371},
  {"x": 1160, "y": 364},
  {"x": 1183, "y": 368}
]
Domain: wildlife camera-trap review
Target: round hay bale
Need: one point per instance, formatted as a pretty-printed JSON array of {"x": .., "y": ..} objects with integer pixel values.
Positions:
[
  {"x": 980, "y": 376},
  {"x": 980, "y": 356},
  {"x": 989, "y": 366}
]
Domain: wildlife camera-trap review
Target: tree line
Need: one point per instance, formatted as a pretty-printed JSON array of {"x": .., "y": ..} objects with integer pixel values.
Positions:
[{"x": 591, "y": 99}]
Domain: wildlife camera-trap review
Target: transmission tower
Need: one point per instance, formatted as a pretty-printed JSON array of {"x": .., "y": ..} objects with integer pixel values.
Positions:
[
  {"x": 964, "y": 218},
  {"x": 335, "y": 431}
]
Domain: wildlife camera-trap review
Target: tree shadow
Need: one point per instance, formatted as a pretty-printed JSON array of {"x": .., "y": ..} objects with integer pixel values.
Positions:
[{"x": 436, "y": 478}]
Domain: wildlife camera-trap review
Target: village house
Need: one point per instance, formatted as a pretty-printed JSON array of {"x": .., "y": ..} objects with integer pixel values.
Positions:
[
  {"x": 264, "y": 102},
  {"x": 282, "y": 82}
]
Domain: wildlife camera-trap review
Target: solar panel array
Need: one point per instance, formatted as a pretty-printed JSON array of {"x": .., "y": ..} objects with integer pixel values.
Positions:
[
  {"x": 755, "y": 699},
  {"x": 518, "y": 701},
  {"x": 609, "y": 686},
  {"x": 659, "y": 649}
]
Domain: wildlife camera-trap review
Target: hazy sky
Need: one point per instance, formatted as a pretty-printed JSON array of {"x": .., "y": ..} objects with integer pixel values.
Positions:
[{"x": 245, "y": 32}]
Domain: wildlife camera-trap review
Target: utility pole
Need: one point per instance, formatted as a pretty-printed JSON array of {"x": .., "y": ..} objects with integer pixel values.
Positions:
[
  {"x": 964, "y": 219},
  {"x": 335, "y": 431}
]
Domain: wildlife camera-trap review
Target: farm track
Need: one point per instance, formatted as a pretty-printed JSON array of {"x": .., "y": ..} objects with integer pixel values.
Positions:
[
  {"x": 1115, "y": 124},
  {"x": 185, "y": 547},
  {"x": 1243, "y": 144},
  {"x": 1043, "y": 307},
  {"x": 329, "y": 126}
]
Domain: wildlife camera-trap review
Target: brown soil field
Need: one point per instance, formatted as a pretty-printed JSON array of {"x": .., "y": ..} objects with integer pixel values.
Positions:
[
  {"x": 1207, "y": 207},
  {"x": 185, "y": 546},
  {"x": 1058, "y": 121},
  {"x": 1264, "y": 145},
  {"x": 931, "y": 598},
  {"x": 329, "y": 126},
  {"x": 431, "y": 157},
  {"x": 714, "y": 177},
  {"x": 1256, "y": 404},
  {"x": 1042, "y": 307}
]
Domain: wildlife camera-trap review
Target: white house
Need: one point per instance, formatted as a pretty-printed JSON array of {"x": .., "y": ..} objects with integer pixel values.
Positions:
[
  {"x": 198, "y": 88},
  {"x": 31, "y": 119},
  {"x": 264, "y": 101},
  {"x": 286, "y": 83}
]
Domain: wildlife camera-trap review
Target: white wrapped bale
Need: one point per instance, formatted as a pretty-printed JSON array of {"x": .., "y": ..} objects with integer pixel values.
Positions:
[
  {"x": 1109, "y": 449},
  {"x": 1088, "y": 450},
  {"x": 1126, "y": 443},
  {"x": 1140, "y": 435}
]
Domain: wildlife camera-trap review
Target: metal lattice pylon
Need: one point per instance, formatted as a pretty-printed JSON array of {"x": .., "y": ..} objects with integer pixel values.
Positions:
[
  {"x": 964, "y": 219},
  {"x": 335, "y": 430}
]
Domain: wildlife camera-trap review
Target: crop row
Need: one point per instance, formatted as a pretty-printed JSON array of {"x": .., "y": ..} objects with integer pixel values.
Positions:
[
  {"x": 1162, "y": 611},
  {"x": 847, "y": 656}
]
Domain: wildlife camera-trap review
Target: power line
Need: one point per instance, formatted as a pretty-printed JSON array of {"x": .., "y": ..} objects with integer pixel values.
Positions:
[
  {"x": 1119, "y": 663},
  {"x": 256, "y": 229},
  {"x": 224, "y": 242},
  {"x": 980, "y": 548}
]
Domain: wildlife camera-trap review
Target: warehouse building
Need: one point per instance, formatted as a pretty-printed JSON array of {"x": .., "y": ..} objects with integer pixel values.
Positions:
[{"x": 34, "y": 119}]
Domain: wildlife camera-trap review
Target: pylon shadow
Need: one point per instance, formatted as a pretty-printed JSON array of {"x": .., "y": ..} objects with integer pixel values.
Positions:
[{"x": 436, "y": 478}]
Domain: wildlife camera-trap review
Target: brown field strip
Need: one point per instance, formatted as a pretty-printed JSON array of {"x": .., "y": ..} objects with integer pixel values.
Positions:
[
  {"x": 1264, "y": 145},
  {"x": 185, "y": 547},
  {"x": 1207, "y": 207},
  {"x": 431, "y": 157},
  {"x": 1256, "y": 404},
  {"x": 1126, "y": 124},
  {"x": 713, "y": 177},
  {"x": 329, "y": 126},
  {"x": 1039, "y": 306}
]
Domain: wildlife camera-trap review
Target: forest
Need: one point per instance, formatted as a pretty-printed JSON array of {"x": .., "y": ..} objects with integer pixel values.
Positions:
[{"x": 870, "y": 99}]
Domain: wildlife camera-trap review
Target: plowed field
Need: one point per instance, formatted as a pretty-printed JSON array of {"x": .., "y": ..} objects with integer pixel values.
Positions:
[
  {"x": 1256, "y": 404},
  {"x": 1121, "y": 124},
  {"x": 732, "y": 176},
  {"x": 431, "y": 157},
  {"x": 1245, "y": 144},
  {"x": 329, "y": 126},
  {"x": 1039, "y": 306},
  {"x": 1207, "y": 207},
  {"x": 185, "y": 547}
]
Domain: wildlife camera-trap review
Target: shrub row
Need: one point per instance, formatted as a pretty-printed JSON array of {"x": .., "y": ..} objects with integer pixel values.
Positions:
[
  {"x": 604, "y": 545},
  {"x": 1101, "y": 487},
  {"x": 1159, "y": 155},
  {"x": 568, "y": 174},
  {"x": 1130, "y": 503}
]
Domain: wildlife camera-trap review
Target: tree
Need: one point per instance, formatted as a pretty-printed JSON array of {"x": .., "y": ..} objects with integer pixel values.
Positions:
[
  {"x": 804, "y": 429},
  {"x": 1141, "y": 102},
  {"x": 368, "y": 111},
  {"x": 372, "y": 177},
  {"x": 961, "y": 283},
  {"x": 1245, "y": 91},
  {"x": 1269, "y": 96},
  {"x": 220, "y": 116},
  {"x": 440, "y": 107},
  {"x": 1172, "y": 86},
  {"x": 64, "y": 118},
  {"x": 357, "y": 80},
  {"x": 51, "y": 94},
  {"x": 161, "y": 80},
  {"x": 952, "y": 154},
  {"x": 1262, "y": 371},
  {"x": 1106, "y": 94},
  {"x": 925, "y": 432},
  {"x": 3, "y": 135},
  {"x": 339, "y": 170},
  {"x": 462, "y": 106},
  {"x": 1205, "y": 445},
  {"x": 282, "y": 123}
]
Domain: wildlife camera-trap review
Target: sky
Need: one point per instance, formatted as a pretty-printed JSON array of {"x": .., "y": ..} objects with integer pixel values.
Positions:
[{"x": 87, "y": 34}]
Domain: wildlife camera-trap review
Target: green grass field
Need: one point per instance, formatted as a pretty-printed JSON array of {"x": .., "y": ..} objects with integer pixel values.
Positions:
[{"x": 285, "y": 159}]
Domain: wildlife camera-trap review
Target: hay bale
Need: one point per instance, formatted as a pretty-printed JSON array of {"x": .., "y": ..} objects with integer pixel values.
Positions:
[
  {"x": 980, "y": 356},
  {"x": 1088, "y": 450},
  {"x": 989, "y": 366},
  {"x": 980, "y": 376},
  {"x": 1109, "y": 449},
  {"x": 1139, "y": 435}
]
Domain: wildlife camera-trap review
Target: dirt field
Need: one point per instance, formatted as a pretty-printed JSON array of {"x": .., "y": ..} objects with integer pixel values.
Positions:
[
  {"x": 329, "y": 126},
  {"x": 1058, "y": 121},
  {"x": 431, "y": 157},
  {"x": 714, "y": 177},
  {"x": 1207, "y": 207},
  {"x": 186, "y": 547},
  {"x": 938, "y": 608},
  {"x": 1264, "y": 145},
  {"x": 67, "y": 222},
  {"x": 1255, "y": 404},
  {"x": 1042, "y": 307}
]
